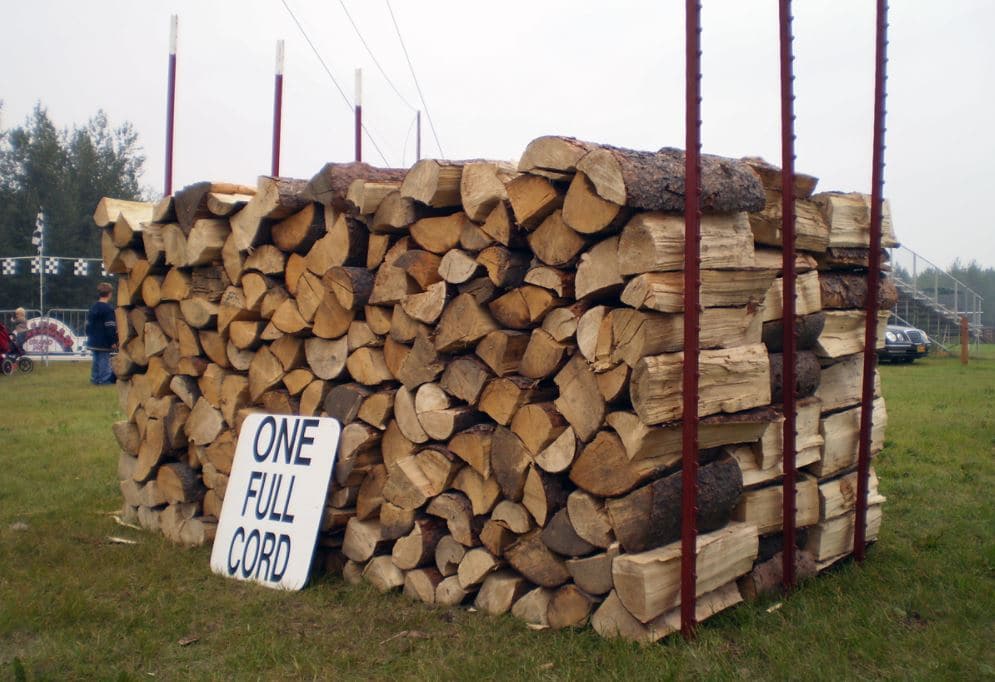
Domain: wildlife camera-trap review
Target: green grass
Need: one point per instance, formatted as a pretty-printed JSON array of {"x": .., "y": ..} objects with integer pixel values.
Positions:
[{"x": 75, "y": 605}]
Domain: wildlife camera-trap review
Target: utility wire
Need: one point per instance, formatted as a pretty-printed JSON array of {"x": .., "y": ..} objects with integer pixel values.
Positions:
[
  {"x": 373, "y": 57},
  {"x": 413, "y": 76},
  {"x": 334, "y": 82}
]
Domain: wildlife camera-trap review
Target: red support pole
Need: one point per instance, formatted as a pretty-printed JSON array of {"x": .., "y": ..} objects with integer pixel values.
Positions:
[
  {"x": 170, "y": 104},
  {"x": 788, "y": 286},
  {"x": 359, "y": 114},
  {"x": 692, "y": 284},
  {"x": 873, "y": 282},
  {"x": 277, "y": 110}
]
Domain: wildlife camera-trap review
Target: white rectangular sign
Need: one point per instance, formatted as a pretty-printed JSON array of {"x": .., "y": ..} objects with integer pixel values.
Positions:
[{"x": 275, "y": 499}]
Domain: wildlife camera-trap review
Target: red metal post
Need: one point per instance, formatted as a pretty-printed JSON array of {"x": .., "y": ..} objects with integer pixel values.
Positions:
[
  {"x": 277, "y": 109},
  {"x": 789, "y": 340},
  {"x": 692, "y": 284},
  {"x": 359, "y": 114},
  {"x": 873, "y": 282},
  {"x": 170, "y": 104}
]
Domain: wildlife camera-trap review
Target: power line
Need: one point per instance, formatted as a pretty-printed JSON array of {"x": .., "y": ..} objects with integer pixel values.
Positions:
[
  {"x": 413, "y": 76},
  {"x": 335, "y": 82},
  {"x": 373, "y": 57}
]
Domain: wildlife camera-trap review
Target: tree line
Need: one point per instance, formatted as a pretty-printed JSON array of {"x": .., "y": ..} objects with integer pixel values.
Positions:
[{"x": 64, "y": 173}]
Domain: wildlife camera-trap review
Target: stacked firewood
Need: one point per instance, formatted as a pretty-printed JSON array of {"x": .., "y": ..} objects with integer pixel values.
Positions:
[{"x": 503, "y": 346}]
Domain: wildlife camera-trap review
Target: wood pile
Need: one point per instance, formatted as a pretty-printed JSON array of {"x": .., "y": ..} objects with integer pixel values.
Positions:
[{"x": 503, "y": 346}]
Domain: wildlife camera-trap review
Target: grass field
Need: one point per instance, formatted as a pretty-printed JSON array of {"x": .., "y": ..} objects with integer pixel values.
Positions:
[{"x": 74, "y": 605}]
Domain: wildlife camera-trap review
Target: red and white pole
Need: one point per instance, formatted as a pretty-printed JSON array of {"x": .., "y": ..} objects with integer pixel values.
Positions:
[
  {"x": 789, "y": 339},
  {"x": 359, "y": 114},
  {"x": 873, "y": 282},
  {"x": 170, "y": 103},
  {"x": 692, "y": 284},
  {"x": 418, "y": 135},
  {"x": 277, "y": 109}
]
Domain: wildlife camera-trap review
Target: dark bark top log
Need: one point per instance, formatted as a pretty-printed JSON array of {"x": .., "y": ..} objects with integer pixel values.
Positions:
[
  {"x": 650, "y": 516},
  {"x": 654, "y": 181},
  {"x": 848, "y": 290},
  {"x": 330, "y": 185},
  {"x": 186, "y": 203}
]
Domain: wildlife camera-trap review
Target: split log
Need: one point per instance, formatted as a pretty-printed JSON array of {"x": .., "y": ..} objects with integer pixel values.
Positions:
[
  {"x": 532, "y": 606},
  {"x": 473, "y": 446},
  {"x": 579, "y": 401},
  {"x": 503, "y": 396},
  {"x": 543, "y": 495},
  {"x": 537, "y": 426},
  {"x": 299, "y": 231},
  {"x": 449, "y": 592},
  {"x": 590, "y": 520},
  {"x": 464, "y": 378},
  {"x": 502, "y": 351},
  {"x": 509, "y": 462},
  {"x": 482, "y": 187},
  {"x": 457, "y": 512},
  {"x": 417, "y": 548},
  {"x": 559, "y": 454},
  {"x": 421, "y": 584},
  {"x": 847, "y": 290},
  {"x": 434, "y": 182},
  {"x": 363, "y": 539},
  {"x": 664, "y": 291},
  {"x": 593, "y": 574},
  {"x": 437, "y": 418},
  {"x": 598, "y": 274},
  {"x": 500, "y": 591},
  {"x": 559, "y": 535},
  {"x": 588, "y": 213},
  {"x": 530, "y": 557},
  {"x": 383, "y": 574},
  {"x": 483, "y": 493},
  {"x": 849, "y": 220},
  {"x": 648, "y": 583},
  {"x": 553, "y": 156},
  {"x": 532, "y": 198},
  {"x": 763, "y": 506},
  {"x": 628, "y": 335},
  {"x": 205, "y": 423},
  {"x": 275, "y": 199},
  {"x": 439, "y": 234},
  {"x": 731, "y": 380},
  {"x": 331, "y": 184},
  {"x": 569, "y": 607},
  {"x": 206, "y": 240},
  {"x": 475, "y": 566},
  {"x": 555, "y": 243},
  {"x": 505, "y": 268},
  {"x": 448, "y": 555},
  {"x": 654, "y": 242},
  {"x": 179, "y": 483}
]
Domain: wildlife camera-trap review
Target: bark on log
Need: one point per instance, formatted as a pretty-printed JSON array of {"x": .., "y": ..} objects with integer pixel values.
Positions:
[
  {"x": 654, "y": 181},
  {"x": 651, "y": 516}
]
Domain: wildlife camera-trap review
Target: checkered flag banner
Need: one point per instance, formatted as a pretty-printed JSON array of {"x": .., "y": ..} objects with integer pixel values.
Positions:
[
  {"x": 81, "y": 268},
  {"x": 35, "y": 265},
  {"x": 9, "y": 266},
  {"x": 51, "y": 266},
  {"x": 38, "y": 236}
]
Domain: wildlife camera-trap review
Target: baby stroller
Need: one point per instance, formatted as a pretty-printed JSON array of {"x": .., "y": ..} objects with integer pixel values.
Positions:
[{"x": 12, "y": 354}]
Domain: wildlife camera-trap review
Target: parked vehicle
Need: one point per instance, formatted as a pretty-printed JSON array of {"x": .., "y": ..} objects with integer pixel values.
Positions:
[{"x": 904, "y": 344}]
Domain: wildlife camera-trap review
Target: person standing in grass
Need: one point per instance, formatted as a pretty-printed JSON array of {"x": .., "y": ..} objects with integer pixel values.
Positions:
[{"x": 101, "y": 336}]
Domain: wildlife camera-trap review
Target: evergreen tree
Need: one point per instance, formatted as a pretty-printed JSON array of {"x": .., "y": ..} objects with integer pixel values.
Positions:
[{"x": 64, "y": 173}]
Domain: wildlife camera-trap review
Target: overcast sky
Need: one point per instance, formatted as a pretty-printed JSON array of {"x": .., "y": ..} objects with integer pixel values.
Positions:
[{"x": 497, "y": 75}]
